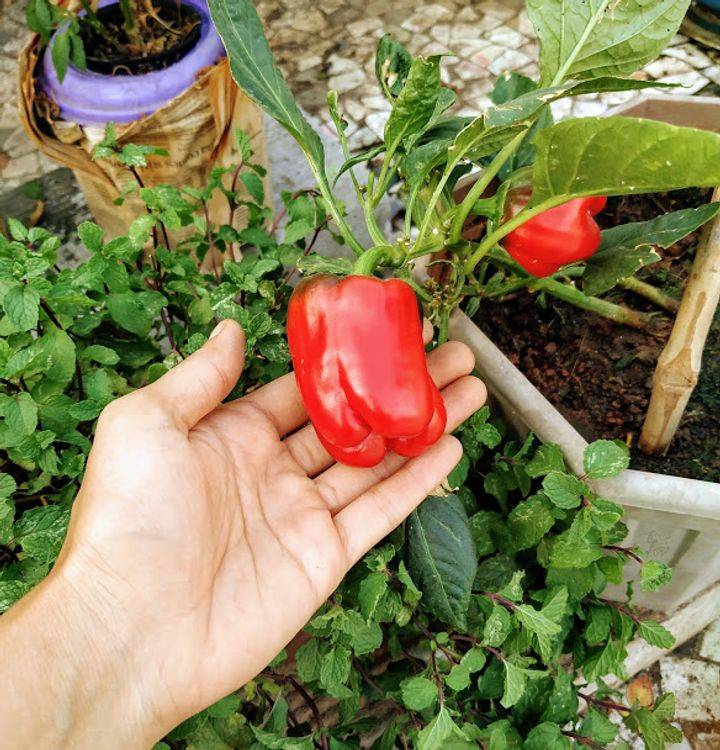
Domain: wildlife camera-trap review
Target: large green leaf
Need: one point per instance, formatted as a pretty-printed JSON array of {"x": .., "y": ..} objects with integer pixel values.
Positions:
[
  {"x": 441, "y": 557},
  {"x": 415, "y": 105},
  {"x": 601, "y": 37},
  {"x": 626, "y": 248},
  {"x": 621, "y": 156},
  {"x": 255, "y": 71}
]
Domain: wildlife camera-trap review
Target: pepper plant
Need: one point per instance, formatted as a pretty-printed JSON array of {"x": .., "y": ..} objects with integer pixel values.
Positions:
[{"x": 530, "y": 176}]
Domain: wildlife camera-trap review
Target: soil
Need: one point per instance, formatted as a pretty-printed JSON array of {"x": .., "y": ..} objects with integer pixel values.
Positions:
[
  {"x": 598, "y": 373},
  {"x": 165, "y": 31}
]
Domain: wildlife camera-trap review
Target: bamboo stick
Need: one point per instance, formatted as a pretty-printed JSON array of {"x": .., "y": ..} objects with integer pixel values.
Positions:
[{"x": 679, "y": 364}]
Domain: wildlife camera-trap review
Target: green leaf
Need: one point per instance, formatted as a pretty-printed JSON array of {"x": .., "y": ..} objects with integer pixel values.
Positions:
[
  {"x": 528, "y": 522},
  {"x": 418, "y": 693},
  {"x": 254, "y": 186},
  {"x": 307, "y": 660},
  {"x": 600, "y": 37},
  {"x": 439, "y": 731},
  {"x": 372, "y": 589},
  {"x": 621, "y": 156},
  {"x": 256, "y": 73},
  {"x": 516, "y": 679},
  {"x": 335, "y": 667},
  {"x": 7, "y": 485},
  {"x": 7, "y": 513},
  {"x": 11, "y": 591},
  {"x": 497, "y": 627},
  {"x": 441, "y": 557},
  {"x": 392, "y": 64},
  {"x": 60, "y": 351},
  {"x": 91, "y": 235},
  {"x": 563, "y": 701},
  {"x": 654, "y": 574},
  {"x": 563, "y": 490},
  {"x": 225, "y": 707},
  {"x": 139, "y": 230},
  {"x": 605, "y": 458},
  {"x": 135, "y": 311},
  {"x": 41, "y": 531},
  {"x": 597, "y": 628},
  {"x": 650, "y": 729},
  {"x": 273, "y": 741},
  {"x": 598, "y": 727},
  {"x": 415, "y": 104},
  {"x": 22, "y": 304},
  {"x": 21, "y": 414},
  {"x": 483, "y": 526},
  {"x": 60, "y": 53},
  {"x": 103, "y": 355},
  {"x": 541, "y": 626},
  {"x": 86, "y": 410},
  {"x": 365, "y": 637},
  {"x": 546, "y": 736},
  {"x": 547, "y": 458},
  {"x": 655, "y": 634},
  {"x": 628, "y": 247}
]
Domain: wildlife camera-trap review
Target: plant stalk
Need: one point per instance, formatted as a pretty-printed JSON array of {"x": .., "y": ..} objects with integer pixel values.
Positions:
[{"x": 652, "y": 293}]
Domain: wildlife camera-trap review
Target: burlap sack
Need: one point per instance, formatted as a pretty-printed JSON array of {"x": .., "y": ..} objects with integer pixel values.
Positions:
[{"x": 196, "y": 128}]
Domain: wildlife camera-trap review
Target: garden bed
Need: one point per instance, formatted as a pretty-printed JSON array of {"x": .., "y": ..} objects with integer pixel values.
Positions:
[{"x": 599, "y": 373}]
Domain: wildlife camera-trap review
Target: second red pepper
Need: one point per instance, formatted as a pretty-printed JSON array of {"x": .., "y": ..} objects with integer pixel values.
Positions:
[
  {"x": 359, "y": 360},
  {"x": 561, "y": 235}
]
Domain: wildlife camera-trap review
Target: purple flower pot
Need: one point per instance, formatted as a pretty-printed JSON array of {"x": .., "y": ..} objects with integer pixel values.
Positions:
[{"x": 91, "y": 98}]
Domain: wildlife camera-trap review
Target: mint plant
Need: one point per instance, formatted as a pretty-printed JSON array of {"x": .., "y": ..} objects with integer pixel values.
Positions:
[{"x": 513, "y": 149}]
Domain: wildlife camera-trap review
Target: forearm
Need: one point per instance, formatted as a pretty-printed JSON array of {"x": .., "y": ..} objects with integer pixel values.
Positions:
[{"x": 65, "y": 682}]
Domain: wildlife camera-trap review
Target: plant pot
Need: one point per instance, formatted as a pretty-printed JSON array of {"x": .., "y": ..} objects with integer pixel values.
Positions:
[
  {"x": 90, "y": 98},
  {"x": 676, "y": 520},
  {"x": 190, "y": 108}
]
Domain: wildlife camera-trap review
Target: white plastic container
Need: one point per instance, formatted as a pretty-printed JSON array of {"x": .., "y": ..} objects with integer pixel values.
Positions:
[{"x": 676, "y": 520}]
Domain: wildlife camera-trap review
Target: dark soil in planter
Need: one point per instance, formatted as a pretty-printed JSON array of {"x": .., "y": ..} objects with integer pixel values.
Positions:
[
  {"x": 598, "y": 373},
  {"x": 163, "y": 39}
]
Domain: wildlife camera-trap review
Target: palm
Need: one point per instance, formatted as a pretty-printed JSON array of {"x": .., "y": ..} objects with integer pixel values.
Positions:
[{"x": 230, "y": 523}]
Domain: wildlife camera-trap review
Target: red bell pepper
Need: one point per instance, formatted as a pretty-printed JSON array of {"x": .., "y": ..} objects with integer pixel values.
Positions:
[
  {"x": 357, "y": 350},
  {"x": 561, "y": 235}
]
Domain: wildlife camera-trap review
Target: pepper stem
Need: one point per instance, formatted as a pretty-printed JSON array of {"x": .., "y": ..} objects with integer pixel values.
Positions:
[{"x": 389, "y": 255}]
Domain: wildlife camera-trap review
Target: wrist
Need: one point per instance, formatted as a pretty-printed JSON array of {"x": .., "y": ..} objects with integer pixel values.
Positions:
[{"x": 76, "y": 653}]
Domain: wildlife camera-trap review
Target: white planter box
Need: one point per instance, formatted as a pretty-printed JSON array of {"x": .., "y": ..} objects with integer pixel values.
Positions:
[{"x": 676, "y": 520}]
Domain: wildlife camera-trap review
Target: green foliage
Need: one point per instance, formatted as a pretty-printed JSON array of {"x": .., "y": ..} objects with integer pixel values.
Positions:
[{"x": 74, "y": 339}]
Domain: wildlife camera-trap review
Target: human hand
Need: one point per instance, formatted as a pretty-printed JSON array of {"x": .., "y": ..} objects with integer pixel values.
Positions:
[{"x": 205, "y": 535}]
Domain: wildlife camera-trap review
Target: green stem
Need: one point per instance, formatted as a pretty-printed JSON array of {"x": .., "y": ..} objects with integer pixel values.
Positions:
[
  {"x": 652, "y": 293},
  {"x": 618, "y": 313},
  {"x": 376, "y": 256},
  {"x": 513, "y": 286},
  {"x": 466, "y": 206},
  {"x": 340, "y": 220},
  {"x": 572, "y": 295},
  {"x": 369, "y": 213}
]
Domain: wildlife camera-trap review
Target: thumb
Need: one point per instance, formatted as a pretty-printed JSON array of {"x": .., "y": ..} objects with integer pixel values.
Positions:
[{"x": 199, "y": 384}]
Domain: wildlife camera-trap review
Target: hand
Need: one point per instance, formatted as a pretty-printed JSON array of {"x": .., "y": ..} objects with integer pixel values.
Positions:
[{"x": 205, "y": 535}]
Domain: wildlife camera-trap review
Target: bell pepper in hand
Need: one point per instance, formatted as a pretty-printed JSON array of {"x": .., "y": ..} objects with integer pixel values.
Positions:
[
  {"x": 561, "y": 235},
  {"x": 359, "y": 360}
]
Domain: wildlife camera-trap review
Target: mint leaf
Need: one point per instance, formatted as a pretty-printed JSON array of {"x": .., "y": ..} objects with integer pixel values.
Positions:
[
  {"x": 22, "y": 306},
  {"x": 605, "y": 458},
  {"x": 654, "y": 574},
  {"x": 563, "y": 490},
  {"x": 655, "y": 634},
  {"x": 418, "y": 693}
]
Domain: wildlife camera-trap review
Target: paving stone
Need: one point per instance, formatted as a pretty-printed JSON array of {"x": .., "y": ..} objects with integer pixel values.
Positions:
[
  {"x": 695, "y": 685},
  {"x": 22, "y": 168},
  {"x": 506, "y": 37},
  {"x": 690, "y": 54},
  {"x": 346, "y": 81},
  {"x": 706, "y": 741},
  {"x": 710, "y": 644},
  {"x": 688, "y": 83},
  {"x": 667, "y": 66},
  {"x": 309, "y": 19}
]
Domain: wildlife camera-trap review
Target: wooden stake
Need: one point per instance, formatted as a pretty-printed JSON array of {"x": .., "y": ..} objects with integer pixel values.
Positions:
[{"x": 679, "y": 364}]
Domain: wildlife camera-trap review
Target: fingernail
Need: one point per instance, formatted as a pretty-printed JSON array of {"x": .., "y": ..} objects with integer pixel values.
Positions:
[{"x": 218, "y": 329}]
